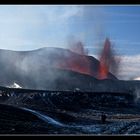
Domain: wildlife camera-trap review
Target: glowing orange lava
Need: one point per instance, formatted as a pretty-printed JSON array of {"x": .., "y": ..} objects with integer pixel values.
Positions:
[
  {"x": 105, "y": 60},
  {"x": 81, "y": 63}
]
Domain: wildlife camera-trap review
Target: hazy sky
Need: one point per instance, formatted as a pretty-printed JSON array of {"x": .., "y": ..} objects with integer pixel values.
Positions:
[{"x": 30, "y": 27}]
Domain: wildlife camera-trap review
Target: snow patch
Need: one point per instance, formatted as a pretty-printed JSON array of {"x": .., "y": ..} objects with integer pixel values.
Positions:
[{"x": 14, "y": 85}]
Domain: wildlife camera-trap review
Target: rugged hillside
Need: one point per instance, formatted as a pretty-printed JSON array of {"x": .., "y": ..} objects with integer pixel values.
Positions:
[{"x": 45, "y": 68}]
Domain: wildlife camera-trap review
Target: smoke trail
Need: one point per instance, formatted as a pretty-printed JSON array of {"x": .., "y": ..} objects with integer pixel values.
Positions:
[{"x": 137, "y": 95}]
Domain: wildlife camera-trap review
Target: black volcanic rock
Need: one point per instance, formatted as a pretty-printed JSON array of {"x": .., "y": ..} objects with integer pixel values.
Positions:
[{"x": 14, "y": 120}]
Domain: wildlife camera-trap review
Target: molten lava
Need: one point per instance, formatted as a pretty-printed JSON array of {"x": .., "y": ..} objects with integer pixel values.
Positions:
[
  {"x": 105, "y": 60},
  {"x": 77, "y": 63},
  {"x": 80, "y": 62}
]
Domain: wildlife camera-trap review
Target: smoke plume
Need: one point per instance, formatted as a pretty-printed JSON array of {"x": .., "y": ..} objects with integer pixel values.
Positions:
[{"x": 76, "y": 45}]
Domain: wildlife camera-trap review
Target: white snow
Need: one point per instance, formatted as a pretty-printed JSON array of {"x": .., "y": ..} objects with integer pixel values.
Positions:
[{"x": 14, "y": 85}]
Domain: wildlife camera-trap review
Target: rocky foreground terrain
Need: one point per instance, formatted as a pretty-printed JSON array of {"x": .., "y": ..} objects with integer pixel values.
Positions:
[{"x": 64, "y": 112}]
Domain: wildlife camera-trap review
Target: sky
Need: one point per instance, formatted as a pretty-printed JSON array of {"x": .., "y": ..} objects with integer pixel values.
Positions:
[{"x": 29, "y": 27}]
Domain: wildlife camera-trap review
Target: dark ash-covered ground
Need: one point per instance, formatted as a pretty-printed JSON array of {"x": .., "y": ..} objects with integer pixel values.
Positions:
[{"x": 66, "y": 112}]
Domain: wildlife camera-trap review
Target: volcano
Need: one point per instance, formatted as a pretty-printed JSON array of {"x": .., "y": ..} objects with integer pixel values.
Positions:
[{"x": 47, "y": 68}]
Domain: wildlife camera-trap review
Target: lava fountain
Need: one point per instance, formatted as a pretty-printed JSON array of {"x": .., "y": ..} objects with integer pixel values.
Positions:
[{"x": 107, "y": 61}]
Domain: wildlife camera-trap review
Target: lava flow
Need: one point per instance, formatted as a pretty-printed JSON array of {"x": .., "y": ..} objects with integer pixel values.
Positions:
[
  {"x": 77, "y": 61},
  {"x": 80, "y": 62}
]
